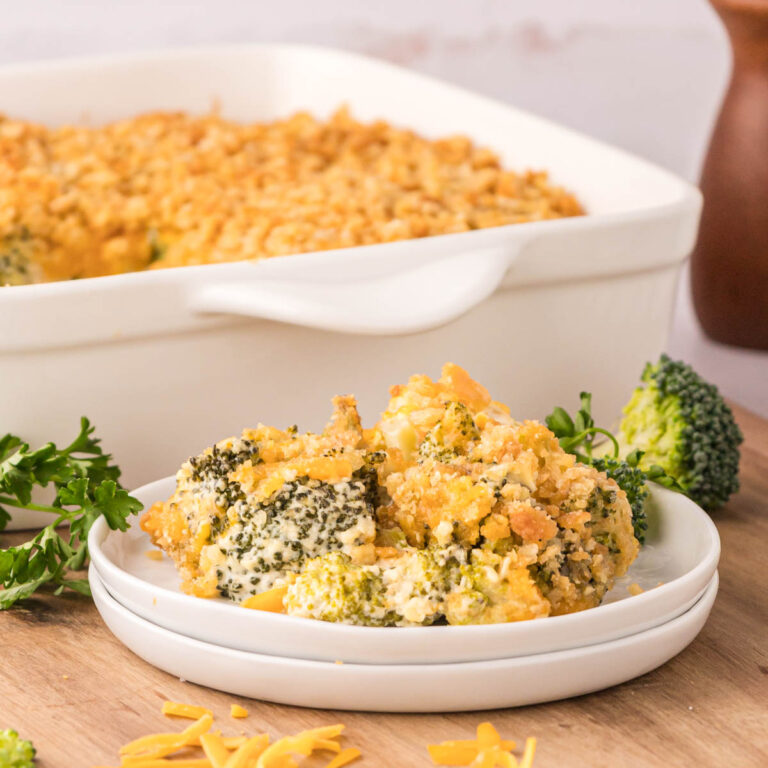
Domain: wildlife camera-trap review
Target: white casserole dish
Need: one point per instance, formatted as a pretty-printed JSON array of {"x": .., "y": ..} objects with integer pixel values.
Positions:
[{"x": 165, "y": 363}]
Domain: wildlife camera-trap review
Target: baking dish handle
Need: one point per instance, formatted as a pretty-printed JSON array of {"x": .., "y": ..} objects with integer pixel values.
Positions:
[{"x": 409, "y": 301}]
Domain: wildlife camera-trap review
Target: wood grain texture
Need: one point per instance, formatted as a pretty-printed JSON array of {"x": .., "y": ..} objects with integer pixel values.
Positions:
[{"x": 67, "y": 684}]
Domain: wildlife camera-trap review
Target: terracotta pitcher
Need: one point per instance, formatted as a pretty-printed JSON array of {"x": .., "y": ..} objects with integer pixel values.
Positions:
[{"x": 729, "y": 268}]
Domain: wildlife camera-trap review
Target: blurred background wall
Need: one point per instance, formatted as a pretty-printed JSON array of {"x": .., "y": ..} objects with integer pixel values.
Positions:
[
  {"x": 644, "y": 75},
  {"x": 647, "y": 76}
]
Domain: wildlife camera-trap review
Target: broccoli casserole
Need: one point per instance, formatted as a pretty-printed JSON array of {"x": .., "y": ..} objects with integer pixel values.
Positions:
[
  {"x": 447, "y": 510},
  {"x": 172, "y": 189}
]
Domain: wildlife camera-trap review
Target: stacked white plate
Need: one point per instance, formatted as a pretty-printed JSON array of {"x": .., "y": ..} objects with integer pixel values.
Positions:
[{"x": 420, "y": 669}]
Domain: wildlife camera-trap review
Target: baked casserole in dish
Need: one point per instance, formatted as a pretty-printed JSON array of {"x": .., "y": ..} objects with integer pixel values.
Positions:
[
  {"x": 164, "y": 360},
  {"x": 171, "y": 189}
]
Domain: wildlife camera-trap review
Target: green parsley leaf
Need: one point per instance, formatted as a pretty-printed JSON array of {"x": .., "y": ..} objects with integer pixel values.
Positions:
[{"x": 86, "y": 487}]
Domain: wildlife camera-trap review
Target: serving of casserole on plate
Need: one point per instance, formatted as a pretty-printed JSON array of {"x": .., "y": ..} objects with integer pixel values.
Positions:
[
  {"x": 448, "y": 543},
  {"x": 447, "y": 509},
  {"x": 447, "y": 512}
]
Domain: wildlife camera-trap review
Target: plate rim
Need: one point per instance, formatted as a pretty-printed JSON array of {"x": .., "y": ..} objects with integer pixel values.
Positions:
[
  {"x": 704, "y": 603},
  {"x": 107, "y": 567},
  {"x": 451, "y": 687}
]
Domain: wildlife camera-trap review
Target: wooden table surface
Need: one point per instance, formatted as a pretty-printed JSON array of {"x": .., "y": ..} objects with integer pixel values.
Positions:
[{"x": 70, "y": 686}]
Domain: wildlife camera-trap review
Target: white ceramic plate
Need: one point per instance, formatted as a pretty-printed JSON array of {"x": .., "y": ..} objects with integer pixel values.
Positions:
[
  {"x": 682, "y": 552},
  {"x": 404, "y": 688}
]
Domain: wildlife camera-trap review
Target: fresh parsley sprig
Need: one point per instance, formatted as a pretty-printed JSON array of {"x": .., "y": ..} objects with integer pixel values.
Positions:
[
  {"x": 579, "y": 436},
  {"x": 86, "y": 487}
]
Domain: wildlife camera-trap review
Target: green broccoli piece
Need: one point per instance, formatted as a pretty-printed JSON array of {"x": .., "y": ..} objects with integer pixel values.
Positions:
[
  {"x": 302, "y": 519},
  {"x": 16, "y": 264},
  {"x": 260, "y": 542},
  {"x": 333, "y": 588},
  {"x": 15, "y": 752},
  {"x": 687, "y": 434},
  {"x": 451, "y": 436},
  {"x": 157, "y": 248},
  {"x": 633, "y": 481},
  {"x": 419, "y": 587},
  {"x": 677, "y": 431}
]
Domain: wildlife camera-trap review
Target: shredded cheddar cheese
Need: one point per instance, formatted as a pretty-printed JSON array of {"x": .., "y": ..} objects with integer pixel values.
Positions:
[
  {"x": 152, "y": 751},
  {"x": 162, "y": 744},
  {"x": 488, "y": 750},
  {"x": 304, "y": 743},
  {"x": 214, "y": 749},
  {"x": 162, "y": 762},
  {"x": 233, "y": 742},
  {"x": 530, "y": 750},
  {"x": 271, "y": 600},
  {"x": 176, "y": 709},
  {"x": 245, "y": 756}
]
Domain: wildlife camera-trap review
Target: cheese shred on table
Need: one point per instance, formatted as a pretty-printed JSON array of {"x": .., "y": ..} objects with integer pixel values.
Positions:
[
  {"x": 229, "y": 752},
  {"x": 488, "y": 750}
]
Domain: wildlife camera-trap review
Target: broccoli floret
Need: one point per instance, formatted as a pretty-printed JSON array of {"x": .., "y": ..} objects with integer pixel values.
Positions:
[
  {"x": 16, "y": 264},
  {"x": 302, "y": 519},
  {"x": 451, "y": 436},
  {"x": 211, "y": 470},
  {"x": 677, "y": 431},
  {"x": 157, "y": 248},
  {"x": 414, "y": 588},
  {"x": 633, "y": 481},
  {"x": 15, "y": 752},
  {"x": 332, "y": 588},
  {"x": 683, "y": 426}
]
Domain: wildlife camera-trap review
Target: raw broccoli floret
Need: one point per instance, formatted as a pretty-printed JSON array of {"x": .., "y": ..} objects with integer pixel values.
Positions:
[
  {"x": 633, "y": 481},
  {"x": 15, "y": 752},
  {"x": 683, "y": 426},
  {"x": 677, "y": 431}
]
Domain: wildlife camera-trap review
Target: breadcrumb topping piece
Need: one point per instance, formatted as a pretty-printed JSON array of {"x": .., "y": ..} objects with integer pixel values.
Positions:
[
  {"x": 171, "y": 189},
  {"x": 462, "y": 471}
]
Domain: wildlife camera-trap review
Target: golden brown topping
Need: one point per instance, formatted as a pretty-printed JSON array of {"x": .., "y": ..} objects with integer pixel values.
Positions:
[{"x": 169, "y": 189}]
